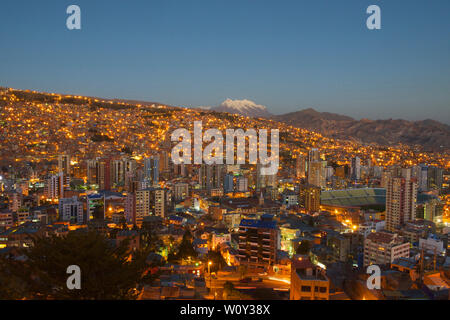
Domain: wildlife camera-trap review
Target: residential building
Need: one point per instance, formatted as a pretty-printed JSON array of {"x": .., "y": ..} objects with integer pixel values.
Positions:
[
  {"x": 71, "y": 209},
  {"x": 258, "y": 242},
  {"x": 308, "y": 281},
  {"x": 383, "y": 248},
  {"x": 401, "y": 196}
]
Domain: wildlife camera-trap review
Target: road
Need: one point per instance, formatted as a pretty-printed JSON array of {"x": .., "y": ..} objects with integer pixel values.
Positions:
[{"x": 273, "y": 282}]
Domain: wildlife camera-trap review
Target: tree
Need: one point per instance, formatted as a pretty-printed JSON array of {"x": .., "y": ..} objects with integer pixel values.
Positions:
[
  {"x": 172, "y": 257},
  {"x": 304, "y": 247},
  {"x": 11, "y": 286},
  {"x": 107, "y": 272},
  {"x": 150, "y": 239},
  {"x": 218, "y": 262},
  {"x": 186, "y": 249}
]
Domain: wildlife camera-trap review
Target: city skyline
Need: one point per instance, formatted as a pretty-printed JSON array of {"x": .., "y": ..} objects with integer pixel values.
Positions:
[
  {"x": 98, "y": 176},
  {"x": 224, "y": 152},
  {"x": 291, "y": 57}
]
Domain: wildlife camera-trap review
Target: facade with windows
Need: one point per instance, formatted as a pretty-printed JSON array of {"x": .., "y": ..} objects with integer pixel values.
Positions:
[{"x": 308, "y": 281}]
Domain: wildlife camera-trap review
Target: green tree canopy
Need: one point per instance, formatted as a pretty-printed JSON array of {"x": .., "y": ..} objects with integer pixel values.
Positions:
[
  {"x": 186, "y": 249},
  {"x": 218, "y": 262},
  {"x": 304, "y": 247},
  {"x": 12, "y": 287},
  {"x": 107, "y": 270},
  {"x": 150, "y": 239}
]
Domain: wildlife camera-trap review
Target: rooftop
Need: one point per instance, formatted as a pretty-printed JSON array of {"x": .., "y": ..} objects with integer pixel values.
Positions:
[
  {"x": 381, "y": 237},
  {"x": 263, "y": 224}
]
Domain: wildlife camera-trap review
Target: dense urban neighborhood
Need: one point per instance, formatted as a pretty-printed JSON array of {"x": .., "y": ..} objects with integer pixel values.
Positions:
[{"x": 91, "y": 182}]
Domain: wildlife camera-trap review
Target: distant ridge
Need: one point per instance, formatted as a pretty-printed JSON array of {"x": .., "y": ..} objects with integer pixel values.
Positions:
[{"x": 430, "y": 134}]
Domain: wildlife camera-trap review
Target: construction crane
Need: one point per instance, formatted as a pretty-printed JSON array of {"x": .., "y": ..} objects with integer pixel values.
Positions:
[{"x": 422, "y": 263}]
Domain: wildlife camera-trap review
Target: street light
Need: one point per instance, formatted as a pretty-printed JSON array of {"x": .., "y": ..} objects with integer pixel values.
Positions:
[{"x": 209, "y": 272}]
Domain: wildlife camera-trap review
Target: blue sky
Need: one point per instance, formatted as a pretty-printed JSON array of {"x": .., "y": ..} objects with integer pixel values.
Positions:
[{"x": 286, "y": 55}]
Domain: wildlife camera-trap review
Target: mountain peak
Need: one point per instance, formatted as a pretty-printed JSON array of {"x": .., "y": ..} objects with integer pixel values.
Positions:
[
  {"x": 309, "y": 110},
  {"x": 243, "y": 107}
]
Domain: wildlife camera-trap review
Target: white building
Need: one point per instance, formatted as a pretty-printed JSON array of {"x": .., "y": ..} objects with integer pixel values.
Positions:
[
  {"x": 54, "y": 187},
  {"x": 432, "y": 245},
  {"x": 371, "y": 226},
  {"x": 383, "y": 248},
  {"x": 71, "y": 209}
]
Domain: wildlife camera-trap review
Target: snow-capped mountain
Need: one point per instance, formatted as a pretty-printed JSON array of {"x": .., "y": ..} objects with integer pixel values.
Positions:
[{"x": 244, "y": 107}]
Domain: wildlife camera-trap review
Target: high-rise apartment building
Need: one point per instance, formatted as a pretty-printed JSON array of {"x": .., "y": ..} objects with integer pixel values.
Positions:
[
  {"x": 100, "y": 171},
  {"x": 313, "y": 155},
  {"x": 316, "y": 174},
  {"x": 121, "y": 168},
  {"x": 300, "y": 166},
  {"x": 228, "y": 183},
  {"x": 130, "y": 208},
  {"x": 150, "y": 201},
  {"x": 104, "y": 173},
  {"x": 356, "y": 168},
  {"x": 91, "y": 171},
  {"x": 211, "y": 176},
  {"x": 309, "y": 197},
  {"x": 54, "y": 187},
  {"x": 71, "y": 209},
  {"x": 420, "y": 172},
  {"x": 15, "y": 200},
  {"x": 64, "y": 164},
  {"x": 259, "y": 241},
  {"x": 242, "y": 184},
  {"x": 401, "y": 196},
  {"x": 151, "y": 170},
  {"x": 181, "y": 191},
  {"x": 435, "y": 176}
]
